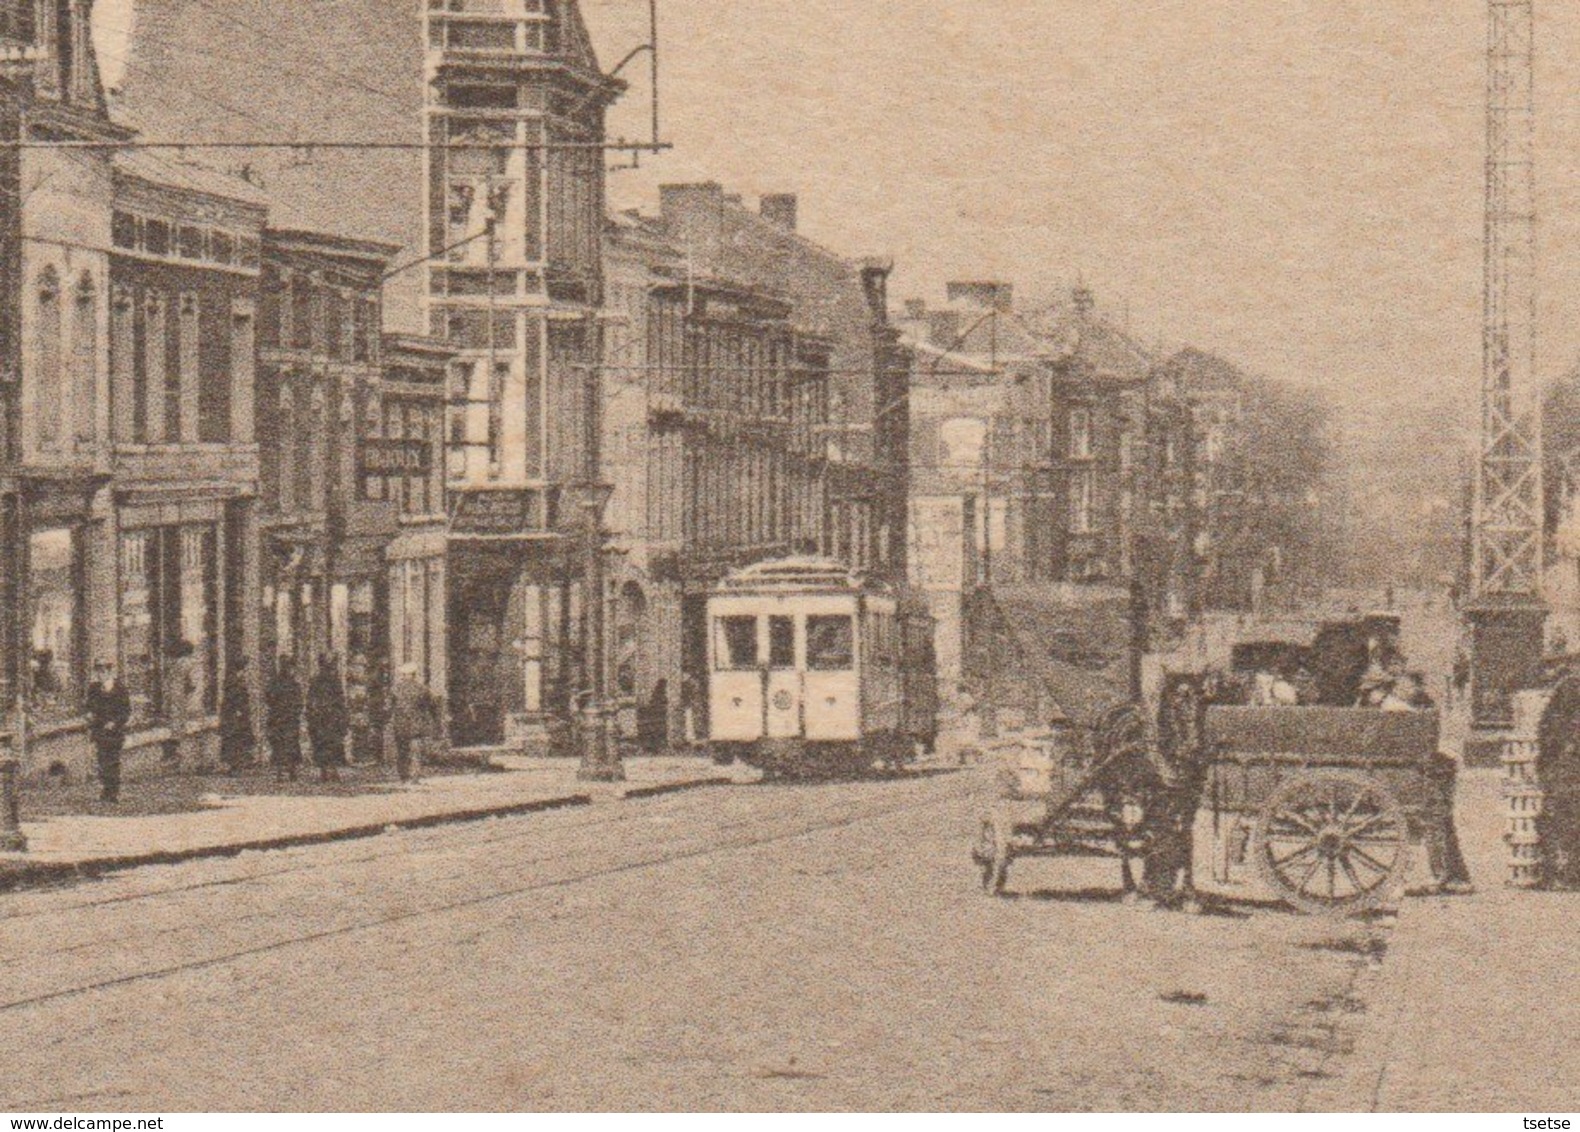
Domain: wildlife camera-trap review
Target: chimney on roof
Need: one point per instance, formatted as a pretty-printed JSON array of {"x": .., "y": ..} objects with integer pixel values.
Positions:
[
  {"x": 916, "y": 309},
  {"x": 1084, "y": 301},
  {"x": 781, "y": 209},
  {"x": 984, "y": 295},
  {"x": 943, "y": 329}
]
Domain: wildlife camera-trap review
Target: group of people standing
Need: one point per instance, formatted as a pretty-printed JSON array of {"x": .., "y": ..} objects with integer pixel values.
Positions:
[{"x": 346, "y": 720}]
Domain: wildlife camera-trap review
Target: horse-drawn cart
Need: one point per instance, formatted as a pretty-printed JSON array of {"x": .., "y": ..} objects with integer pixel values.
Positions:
[
  {"x": 1071, "y": 795},
  {"x": 1323, "y": 800}
]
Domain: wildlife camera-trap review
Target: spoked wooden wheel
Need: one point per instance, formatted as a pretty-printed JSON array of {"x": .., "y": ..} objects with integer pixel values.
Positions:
[
  {"x": 991, "y": 853},
  {"x": 1332, "y": 841}
]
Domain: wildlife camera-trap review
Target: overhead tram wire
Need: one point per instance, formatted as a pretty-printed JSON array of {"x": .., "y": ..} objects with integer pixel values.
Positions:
[{"x": 276, "y": 143}]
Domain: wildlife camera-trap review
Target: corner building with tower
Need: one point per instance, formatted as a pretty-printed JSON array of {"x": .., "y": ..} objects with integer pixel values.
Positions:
[{"x": 514, "y": 204}]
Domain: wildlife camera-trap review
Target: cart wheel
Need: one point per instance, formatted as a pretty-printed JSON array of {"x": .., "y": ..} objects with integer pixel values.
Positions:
[
  {"x": 991, "y": 853},
  {"x": 1332, "y": 841}
]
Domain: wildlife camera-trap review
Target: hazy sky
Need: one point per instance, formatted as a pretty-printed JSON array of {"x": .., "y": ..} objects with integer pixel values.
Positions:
[{"x": 1296, "y": 184}]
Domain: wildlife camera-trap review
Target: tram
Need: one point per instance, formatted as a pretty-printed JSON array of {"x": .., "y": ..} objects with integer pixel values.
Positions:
[{"x": 814, "y": 669}]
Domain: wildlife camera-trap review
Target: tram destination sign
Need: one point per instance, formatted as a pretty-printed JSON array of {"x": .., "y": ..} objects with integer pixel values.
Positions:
[
  {"x": 380, "y": 457},
  {"x": 495, "y": 512}
]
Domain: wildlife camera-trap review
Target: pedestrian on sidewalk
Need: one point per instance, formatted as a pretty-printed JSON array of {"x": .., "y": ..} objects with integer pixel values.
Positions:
[
  {"x": 283, "y": 703},
  {"x": 414, "y": 722},
  {"x": 1444, "y": 857},
  {"x": 109, "y": 709},
  {"x": 235, "y": 719},
  {"x": 328, "y": 719}
]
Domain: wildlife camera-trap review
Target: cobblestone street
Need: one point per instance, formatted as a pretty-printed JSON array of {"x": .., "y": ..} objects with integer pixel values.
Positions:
[{"x": 747, "y": 947}]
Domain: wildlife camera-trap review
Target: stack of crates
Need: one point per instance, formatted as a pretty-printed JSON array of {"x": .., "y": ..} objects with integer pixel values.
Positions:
[{"x": 1522, "y": 790}]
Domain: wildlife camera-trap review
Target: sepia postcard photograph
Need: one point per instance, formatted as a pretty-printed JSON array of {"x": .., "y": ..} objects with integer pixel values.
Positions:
[{"x": 749, "y": 556}]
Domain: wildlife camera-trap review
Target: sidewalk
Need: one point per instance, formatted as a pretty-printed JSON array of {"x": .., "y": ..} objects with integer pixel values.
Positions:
[
  {"x": 69, "y": 846},
  {"x": 1477, "y": 1009}
]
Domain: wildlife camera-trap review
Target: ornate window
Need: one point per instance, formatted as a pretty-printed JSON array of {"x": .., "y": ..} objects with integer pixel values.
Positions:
[
  {"x": 84, "y": 390},
  {"x": 49, "y": 392}
]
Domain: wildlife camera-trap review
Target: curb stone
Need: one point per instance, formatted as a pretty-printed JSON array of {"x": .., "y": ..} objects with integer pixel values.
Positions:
[{"x": 23, "y": 875}]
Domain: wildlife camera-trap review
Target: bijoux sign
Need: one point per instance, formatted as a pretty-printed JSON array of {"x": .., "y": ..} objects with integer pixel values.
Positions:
[{"x": 396, "y": 458}]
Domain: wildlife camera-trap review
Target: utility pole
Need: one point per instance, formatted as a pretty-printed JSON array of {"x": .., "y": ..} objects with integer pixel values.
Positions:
[{"x": 1507, "y": 610}]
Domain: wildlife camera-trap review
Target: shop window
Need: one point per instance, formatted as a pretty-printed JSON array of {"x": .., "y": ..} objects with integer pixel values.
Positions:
[
  {"x": 56, "y": 663},
  {"x": 140, "y": 662},
  {"x": 169, "y": 600},
  {"x": 197, "y": 587}
]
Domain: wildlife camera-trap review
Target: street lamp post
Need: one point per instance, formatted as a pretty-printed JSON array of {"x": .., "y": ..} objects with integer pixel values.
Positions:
[{"x": 600, "y": 756}]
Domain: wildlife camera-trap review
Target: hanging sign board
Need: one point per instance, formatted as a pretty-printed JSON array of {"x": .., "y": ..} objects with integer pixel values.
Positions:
[{"x": 494, "y": 513}]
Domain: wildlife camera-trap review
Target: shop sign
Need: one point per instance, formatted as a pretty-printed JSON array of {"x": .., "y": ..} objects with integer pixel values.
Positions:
[
  {"x": 396, "y": 457},
  {"x": 509, "y": 512}
]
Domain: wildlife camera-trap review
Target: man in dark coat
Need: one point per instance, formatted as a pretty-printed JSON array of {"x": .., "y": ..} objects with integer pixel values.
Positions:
[
  {"x": 109, "y": 709},
  {"x": 283, "y": 702},
  {"x": 328, "y": 719},
  {"x": 235, "y": 719}
]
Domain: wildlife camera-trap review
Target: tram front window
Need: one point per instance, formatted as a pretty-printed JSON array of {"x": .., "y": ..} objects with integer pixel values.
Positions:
[
  {"x": 830, "y": 644},
  {"x": 737, "y": 644},
  {"x": 781, "y": 643}
]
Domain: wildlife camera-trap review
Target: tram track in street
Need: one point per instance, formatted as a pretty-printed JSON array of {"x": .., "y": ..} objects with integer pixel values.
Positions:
[
  {"x": 456, "y": 842},
  {"x": 708, "y": 844}
]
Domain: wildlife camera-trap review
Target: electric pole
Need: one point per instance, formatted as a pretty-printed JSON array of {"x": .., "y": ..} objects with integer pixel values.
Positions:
[{"x": 1506, "y": 609}]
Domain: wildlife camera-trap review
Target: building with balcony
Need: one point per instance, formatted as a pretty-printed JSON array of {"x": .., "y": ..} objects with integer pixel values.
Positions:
[
  {"x": 515, "y": 206},
  {"x": 401, "y": 462},
  {"x": 715, "y": 439},
  {"x": 843, "y": 304},
  {"x": 324, "y": 538},
  {"x": 182, "y": 320},
  {"x": 130, "y": 466}
]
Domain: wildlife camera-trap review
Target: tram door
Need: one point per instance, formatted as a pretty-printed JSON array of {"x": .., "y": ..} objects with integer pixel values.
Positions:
[{"x": 784, "y": 687}]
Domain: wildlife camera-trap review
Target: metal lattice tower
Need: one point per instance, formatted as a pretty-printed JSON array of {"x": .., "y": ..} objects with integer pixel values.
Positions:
[{"x": 1507, "y": 531}]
